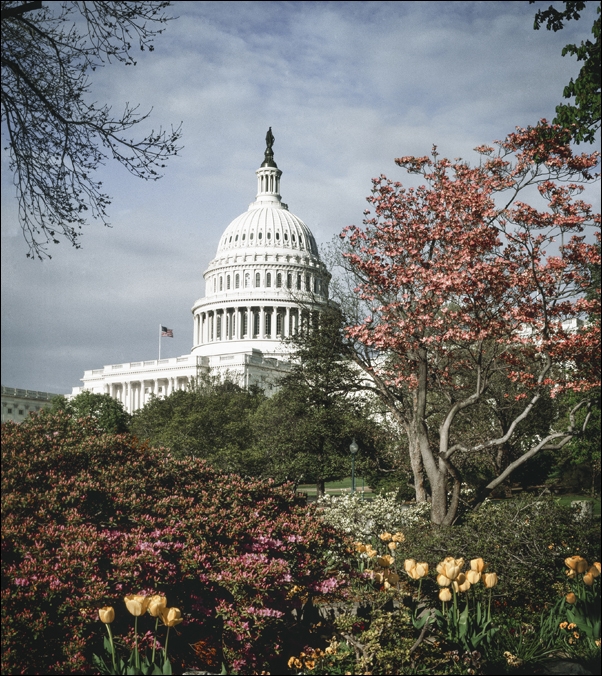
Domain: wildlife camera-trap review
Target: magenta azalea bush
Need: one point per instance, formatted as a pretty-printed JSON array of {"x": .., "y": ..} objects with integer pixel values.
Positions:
[{"x": 90, "y": 517}]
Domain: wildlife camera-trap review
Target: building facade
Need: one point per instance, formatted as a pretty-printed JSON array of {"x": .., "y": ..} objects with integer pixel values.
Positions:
[
  {"x": 17, "y": 404},
  {"x": 265, "y": 283}
]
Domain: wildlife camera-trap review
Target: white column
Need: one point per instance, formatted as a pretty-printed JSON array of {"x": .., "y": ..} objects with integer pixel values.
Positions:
[
  {"x": 249, "y": 323},
  {"x": 287, "y": 323}
]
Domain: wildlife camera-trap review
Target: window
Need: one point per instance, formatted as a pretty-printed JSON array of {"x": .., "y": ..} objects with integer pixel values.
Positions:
[
  {"x": 259, "y": 235},
  {"x": 214, "y": 284},
  {"x": 256, "y": 323},
  {"x": 244, "y": 323},
  {"x": 218, "y": 328},
  {"x": 268, "y": 279},
  {"x": 279, "y": 280},
  {"x": 279, "y": 324},
  {"x": 299, "y": 282},
  {"x": 277, "y": 235},
  {"x": 236, "y": 238},
  {"x": 251, "y": 236},
  {"x": 286, "y": 237},
  {"x": 243, "y": 236},
  {"x": 307, "y": 283},
  {"x": 237, "y": 281},
  {"x": 247, "y": 280},
  {"x": 289, "y": 281},
  {"x": 268, "y": 324},
  {"x": 316, "y": 285},
  {"x": 10, "y": 410},
  {"x": 221, "y": 283},
  {"x": 228, "y": 282},
  {"x": 258, "y": 280},
  {"x": 268, "y": 235},
  {"x": 294, "y": 238}
]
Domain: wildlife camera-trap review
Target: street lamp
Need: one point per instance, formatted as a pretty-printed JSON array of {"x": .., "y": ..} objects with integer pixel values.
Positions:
[{"x": 354, "y": 449}]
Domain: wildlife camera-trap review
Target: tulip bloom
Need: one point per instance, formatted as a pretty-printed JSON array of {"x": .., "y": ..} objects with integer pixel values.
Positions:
[
  {"x": 570, "y": 597},
  {"x": 443, "y": 581},
  {"x": 392, "y": 546},
  {"x": 598, "y": 566},
  {"x": 106, "y": 614},
  {"x": 594, "y": 571},
  {"x": 156, "y": 604},
  {"x": 576, "y": 563},
  {"x": 588, "y": 579},
  {"x": 461, "y": 584},
  {"x": 409, "y": 564},
  {"x": 445, "y": 595},
  {"x": 385, "y": 537},
  {"x": 136, "y": 604},
  {"x": 478, "y": 565},
  {"x": 490, "y": 580},
  {"x": 385, "y": 561},
  {"x": 473, "y": 576},
  {"x": 171, "y": 616},
  {"x": 571, "y": 573},
  {"x": 398, "y": 537},
  {"x": 393, "y": 578}
]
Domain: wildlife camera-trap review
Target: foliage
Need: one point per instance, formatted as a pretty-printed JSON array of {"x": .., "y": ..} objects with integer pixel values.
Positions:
[
  {"x": 461, "y": 291},
  {"x": 212, "y": 420},
  {"x": 304, "y": 431},
  {"x": 582, "y": 117},
  {"x": 88, "y": 516},
  {"x": 57, "y": 139},
  {"x": 525, "y": 540},
  {"x": 108, "y": 413}
]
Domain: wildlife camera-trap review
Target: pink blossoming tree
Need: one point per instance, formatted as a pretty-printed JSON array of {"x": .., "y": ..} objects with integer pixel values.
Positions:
[{"x": 465, "y": 285}]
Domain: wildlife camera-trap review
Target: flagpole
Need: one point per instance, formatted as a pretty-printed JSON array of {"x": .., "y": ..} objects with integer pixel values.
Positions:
[{"x": 159, "y": 342}]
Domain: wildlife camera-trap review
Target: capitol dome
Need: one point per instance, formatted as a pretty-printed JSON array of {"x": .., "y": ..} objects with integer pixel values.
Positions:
[{"x": 265, "y": 281}]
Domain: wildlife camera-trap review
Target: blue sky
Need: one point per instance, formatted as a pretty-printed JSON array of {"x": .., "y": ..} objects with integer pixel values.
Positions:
[{"x": 346, "y": 88}]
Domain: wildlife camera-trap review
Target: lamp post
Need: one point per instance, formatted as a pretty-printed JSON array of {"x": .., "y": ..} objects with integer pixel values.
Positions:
[{"x": 353, "y": 448}]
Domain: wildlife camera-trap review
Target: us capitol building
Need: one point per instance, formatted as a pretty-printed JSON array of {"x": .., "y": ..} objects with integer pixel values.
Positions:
[{"x": 265, "y": 283}]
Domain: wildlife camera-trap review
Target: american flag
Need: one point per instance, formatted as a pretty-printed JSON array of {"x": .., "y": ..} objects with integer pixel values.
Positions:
[{"x": 166, "y": 333}]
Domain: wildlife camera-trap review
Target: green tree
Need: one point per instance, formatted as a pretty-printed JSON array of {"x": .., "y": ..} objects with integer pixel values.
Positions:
[
  {"x": 57, "y": 138},
  {"x": 211, "y": 420},
  {"x": 582, "y": 116},
  {"x": 303, "y": 433},
  {"x": 106, "y": 411}
]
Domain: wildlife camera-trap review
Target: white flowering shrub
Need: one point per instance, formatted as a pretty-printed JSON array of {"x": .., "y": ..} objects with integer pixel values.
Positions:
[{"x": 364, "y": 519}]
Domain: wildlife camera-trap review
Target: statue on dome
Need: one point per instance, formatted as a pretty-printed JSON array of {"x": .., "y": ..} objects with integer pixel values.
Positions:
[{"x": 269, "y": 139}]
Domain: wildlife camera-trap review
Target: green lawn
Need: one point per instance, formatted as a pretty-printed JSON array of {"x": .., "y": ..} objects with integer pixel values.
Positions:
[
  {"x": 337, "y": 487},
  {"x": 567, "y": 499}
]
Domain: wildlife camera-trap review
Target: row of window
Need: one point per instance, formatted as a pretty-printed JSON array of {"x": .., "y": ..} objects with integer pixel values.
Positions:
[
  {"x": 280, "y": 279},
  {"x": 269, "y": 237},
  {"x": 230, "y": 326}
]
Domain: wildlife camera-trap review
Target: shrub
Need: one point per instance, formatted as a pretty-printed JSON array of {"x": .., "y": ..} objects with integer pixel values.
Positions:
[
  {"x": 366, "y": 519},
  {"x": 525, "y": 540},
  {"x": 89, "y": 517}
]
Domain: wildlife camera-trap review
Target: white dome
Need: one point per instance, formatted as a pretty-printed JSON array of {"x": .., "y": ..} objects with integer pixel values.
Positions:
[{"x": 267, "y": 227}]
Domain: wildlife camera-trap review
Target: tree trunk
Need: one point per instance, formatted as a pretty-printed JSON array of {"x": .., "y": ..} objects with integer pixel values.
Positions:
[
  {"x": 320, "y": 488},
  {"x": 417, "y": 470}
]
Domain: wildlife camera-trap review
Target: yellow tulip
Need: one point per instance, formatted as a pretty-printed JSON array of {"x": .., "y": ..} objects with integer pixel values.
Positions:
[
  {"x": 442, "y": 564},
  {"x": 598, "y": 566},
  {"x": 594, "y": 571},
  {"x": 106, "y": 614},
  {"x": 478, "y": 565},
  {"x": 359, "y": 547},
  {"x": 588, "y": 579},
  {"x": 156, "y": 605},
  {"x": 445, "y": 595},
  {"x": 171, "y": 616},
  {"x": 570, "y": 597},
  {"x": 461, "y": 584},
  {"x": 392, "y": 546},
  {"x": 473, "y": 576},
  {"x": 451, "y": 570},
  {"x": 310, "y": 664},
  {"x": 422, "y": 568},
  {"x": 398, "y": 537},
  {"x": 409, "y": 564},
  {"x": 385, "y": 537},
  {"x": 136, "y": 604},
  {"x": 577, "y": 563},
  {"x": 571, "y": 573},
  {"x": 490, "y": 580},
  {"x": 443, "y": 581}
]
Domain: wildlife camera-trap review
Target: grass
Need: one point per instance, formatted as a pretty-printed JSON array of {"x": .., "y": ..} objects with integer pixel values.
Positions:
[
  {"x": 338, "y": 487},
  {"x": 568, "y": 498}
]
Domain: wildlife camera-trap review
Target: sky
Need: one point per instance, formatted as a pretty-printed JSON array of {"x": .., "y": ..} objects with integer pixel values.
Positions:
[{"x": 346, "y": 87}]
